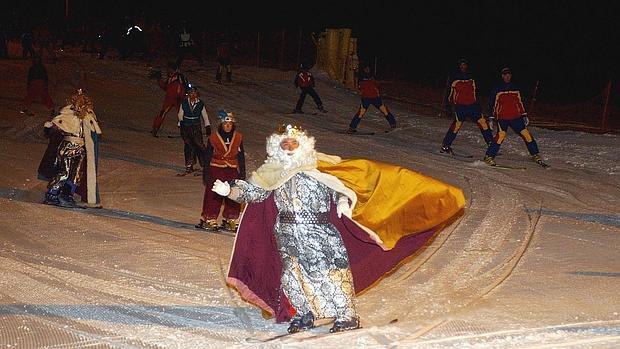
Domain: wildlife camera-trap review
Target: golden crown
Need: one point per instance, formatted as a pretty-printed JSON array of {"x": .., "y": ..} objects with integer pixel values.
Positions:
[{"x": 292, "y": 131}]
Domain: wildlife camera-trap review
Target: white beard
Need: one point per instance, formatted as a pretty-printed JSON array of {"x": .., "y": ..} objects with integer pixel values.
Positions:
[{"x": 303, "y": 156}]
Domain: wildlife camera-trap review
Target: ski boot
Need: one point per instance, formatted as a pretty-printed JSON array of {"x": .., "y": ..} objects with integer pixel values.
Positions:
[
  {"x": 154, "y": 132},
  {"x": 51, "y": 199},
  {"x": 188, "y": 169},
  {"x": 208, "y": 225},
  {"x": 66, "y": 200},
  {"x": 489, "y": 160},
  {"x": 321, "y": 109},
  {"x": 228, "y": 76},
  {"x": 537, "y": 159},
  {"x": 351, "y": 130},
  {"x": 345, "y": 325},
  {"x": 301, "y": 323},
  {"x": 446, "y": 149},
  {"x": 230, "y": 224},
  {"x": 297, "y": 111}
]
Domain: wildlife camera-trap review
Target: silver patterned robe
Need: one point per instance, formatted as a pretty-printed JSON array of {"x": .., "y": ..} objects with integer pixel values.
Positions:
[{"x": 316, "y": 275}]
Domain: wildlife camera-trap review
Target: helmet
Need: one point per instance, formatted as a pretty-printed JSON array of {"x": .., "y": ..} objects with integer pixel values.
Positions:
[{"x": 226, "y": 116}]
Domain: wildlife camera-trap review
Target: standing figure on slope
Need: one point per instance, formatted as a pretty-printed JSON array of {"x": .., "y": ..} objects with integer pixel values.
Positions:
[
  {"x": 187, "y": 45},
  {"x": 223, "y": 61},
  {"x": 38, "y": 87},
  {"x": 299, "y": 256},
  {"x": 370, "y": 95},
  {"x": 70, "y": 161},
  {"x": 305, "y": 81},
  {"x": 174, "y": 85},
  {"x": 190, "y": 114},
  {"x": 226, "y": 159},
  {"x": 506, "y": 104},
  {"x": 463, "y": 96}
]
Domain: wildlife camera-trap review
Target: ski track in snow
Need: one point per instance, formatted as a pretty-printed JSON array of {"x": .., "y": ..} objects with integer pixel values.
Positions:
[{"x": 531, "y": 263}]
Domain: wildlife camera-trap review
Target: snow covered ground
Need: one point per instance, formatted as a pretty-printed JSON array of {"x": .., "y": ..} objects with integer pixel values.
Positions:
[{"x": 534, "y": 262}]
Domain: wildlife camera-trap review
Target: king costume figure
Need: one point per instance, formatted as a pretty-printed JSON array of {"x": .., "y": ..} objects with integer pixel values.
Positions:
[
  {"x": 317, "y": 229},
  {"x": 70, "y": 161}
]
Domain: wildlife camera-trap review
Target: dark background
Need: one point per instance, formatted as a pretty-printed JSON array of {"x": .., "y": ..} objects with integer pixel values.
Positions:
[{"x": 571, "y": 46}]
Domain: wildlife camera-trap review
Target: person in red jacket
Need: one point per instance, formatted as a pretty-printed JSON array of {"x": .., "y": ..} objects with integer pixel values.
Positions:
[
  {"x": 174, "y": 85},
  {"x": 507, "y": 106},
  {"x": 226, "y": 159},
  {"x": 370, "y": 95},
  {"x": 463, "y": 97},
  {"x": 37, "y": 87},
  {"x": 305, "y": 81}
]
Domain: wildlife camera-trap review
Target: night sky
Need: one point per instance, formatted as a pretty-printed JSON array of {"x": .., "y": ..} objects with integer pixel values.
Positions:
[{"x": 571, "y": 46}]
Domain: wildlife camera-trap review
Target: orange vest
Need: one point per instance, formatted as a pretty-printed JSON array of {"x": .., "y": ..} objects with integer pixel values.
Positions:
[{"x": 225, "y": 156}]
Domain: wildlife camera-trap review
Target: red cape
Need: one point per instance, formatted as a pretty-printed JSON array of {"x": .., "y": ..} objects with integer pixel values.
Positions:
[{"x": 256, "y": 267}]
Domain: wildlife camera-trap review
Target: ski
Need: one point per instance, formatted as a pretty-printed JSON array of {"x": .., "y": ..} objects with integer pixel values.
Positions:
[
  {"x": 185, "y": 173},
  {"x": 315, "y": 113},
  {"x": 318, "y": 335},
  {"x": 356, "y": 133},
  {"x": 280, "y": 336},
  {"x": 396, "y": 129},
  {"x": 505, "y": 167},
  {"x": 393, "y": 321},
  {"x": 218, "y": 230},
  {"x": 458, "y": 155}
]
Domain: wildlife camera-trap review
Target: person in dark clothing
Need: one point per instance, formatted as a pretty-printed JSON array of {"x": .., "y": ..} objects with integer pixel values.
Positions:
[
  {"x": 4, "y": 53},
  {"x": 226, "y": 160},
  {"x": 223, "y": 62},
  {"x": 37, "y": 87},
  {"x": 186, "y": 45},
  {"x": 27, "y": 48},
  {"x": 190, "y": 114},
  {"x": 305, "y": 81}
]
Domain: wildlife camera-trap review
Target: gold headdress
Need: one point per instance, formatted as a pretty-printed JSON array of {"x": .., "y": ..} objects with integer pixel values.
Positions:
[
  {"x": 292, "y": 131},
  {"x": 80, "y": 103}
]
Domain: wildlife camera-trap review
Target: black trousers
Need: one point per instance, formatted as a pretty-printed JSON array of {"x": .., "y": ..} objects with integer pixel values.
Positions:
[
  {"x": 302, "y": 97},
  {"x": 194, "y": 146}
]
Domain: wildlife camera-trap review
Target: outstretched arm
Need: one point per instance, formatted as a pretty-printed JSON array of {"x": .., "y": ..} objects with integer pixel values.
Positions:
[{"x": 240, "y": 191}]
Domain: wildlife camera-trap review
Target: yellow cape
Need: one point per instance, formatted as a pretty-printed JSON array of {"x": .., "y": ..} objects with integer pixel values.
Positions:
[{"x": 394, "y": 201}]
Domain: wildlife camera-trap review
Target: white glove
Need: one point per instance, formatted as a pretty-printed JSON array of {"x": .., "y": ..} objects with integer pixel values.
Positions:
[
  {"x": 343, "y": 208},
  {"x": 222, "y": 188}
]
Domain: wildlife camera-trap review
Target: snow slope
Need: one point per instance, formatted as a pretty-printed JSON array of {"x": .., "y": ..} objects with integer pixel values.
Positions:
[{"x": 534, "y": 261}]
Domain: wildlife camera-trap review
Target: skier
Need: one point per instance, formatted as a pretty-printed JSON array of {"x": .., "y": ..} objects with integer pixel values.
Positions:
[
  {"x": 463, "y": 96},
  {"x": 70, "y": 161},
  {"x": 186, "y": 45},
  {"x": 27, "y": 42},
  {"x": 174, "y": 85},
  {"x": 190, "y": 113},
  {"x": 223, "y": 62},
  {"x": 297, "y": 252},
  {"x": 506, "y": 104},
  {"x": 37, "y": 87},
  {"x": 226, "y": 159},
  {"x": 370, "y": 95},
  {"x": 305, "y": 81}
]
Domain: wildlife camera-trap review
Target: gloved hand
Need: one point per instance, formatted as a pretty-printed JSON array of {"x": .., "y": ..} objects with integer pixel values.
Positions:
[
  {"x": 343, "y": 208},
  {"x": 492, "y": 123},
  {"x": 526, "y": 120},
  {"x": 221, "y": 188}
]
